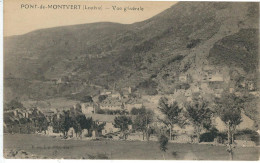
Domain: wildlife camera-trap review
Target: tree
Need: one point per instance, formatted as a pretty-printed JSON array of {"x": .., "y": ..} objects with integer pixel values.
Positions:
[
  {"x": 86, "y": 99},
  {"x": 137, "y": 111},
  {"x": 163, "y": 140},
  {"x": 85, "y": 123},
  {"x": 172, "y": 114},
  {"x": 14, "y": 104},
  {"x": 122, "y": 122},
  {"x": 98, "y": 127},
  {"x": 229, "y": 109},
  {"x": 77, "y": 128},
  {"x": 142, "y": 121},
  {"x": 42, "y": 123},
  {"x": 199, "y": 114},
  {"x": 65, "y": 123}
]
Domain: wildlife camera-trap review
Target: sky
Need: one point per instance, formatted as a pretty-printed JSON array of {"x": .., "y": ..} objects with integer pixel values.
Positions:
[{"x": 19, "y": 18}]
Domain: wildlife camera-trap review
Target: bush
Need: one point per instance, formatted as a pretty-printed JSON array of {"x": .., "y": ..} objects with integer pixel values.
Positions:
[
  {"x": 86, "y": 99},
  {"x": 112, "y": 112},
  {"x": 153, "y": 76},
  {"x": 163, "y": 140},
  {"x": 193, "y": 43},
  {"x": 14, "y": 104},
  {"x": 211, "y": 135},
  {"x": 176, "y": 58},
  {"x": 136, "y": 111},
  {"x": 183, "y": 86},
  {"x": 207, "y": 137}
]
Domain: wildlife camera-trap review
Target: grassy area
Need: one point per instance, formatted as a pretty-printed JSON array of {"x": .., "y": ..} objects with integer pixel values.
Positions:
[{"x": 76, "y": 149}]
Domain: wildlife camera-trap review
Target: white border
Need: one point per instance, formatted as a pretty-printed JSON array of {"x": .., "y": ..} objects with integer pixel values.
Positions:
[{"x": 70, "y": 161}]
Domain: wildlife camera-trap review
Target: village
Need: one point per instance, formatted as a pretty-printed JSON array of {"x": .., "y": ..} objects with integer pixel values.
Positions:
[{"x": 128, "y": 115}]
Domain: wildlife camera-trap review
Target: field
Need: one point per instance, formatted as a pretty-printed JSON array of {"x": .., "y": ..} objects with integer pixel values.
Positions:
[{"x": 57, "y": 148}]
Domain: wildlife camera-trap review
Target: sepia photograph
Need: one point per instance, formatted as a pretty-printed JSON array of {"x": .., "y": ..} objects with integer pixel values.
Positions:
[{"x": 131, "y": 80}]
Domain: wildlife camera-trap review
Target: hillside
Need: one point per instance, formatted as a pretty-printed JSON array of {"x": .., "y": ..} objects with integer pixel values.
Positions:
[{"x": 147, "y": 55}]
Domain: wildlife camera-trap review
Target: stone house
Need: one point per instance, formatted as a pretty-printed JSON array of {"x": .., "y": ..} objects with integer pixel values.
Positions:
[
  {"x": 109, "y": 123},
  {"x": 88, "y": 108},
  {"x": 49, "y": 130},
  {"x": 71, "y": 133},
  {"x": 246, "y": 123},
  {"x": 111, "y": 104}
]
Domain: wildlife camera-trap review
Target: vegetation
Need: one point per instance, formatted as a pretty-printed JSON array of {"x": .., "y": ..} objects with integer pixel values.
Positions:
[
  {"x": 211, "y": 135},
  {"x": 137, "y": 111},
  {"x": 199, "y": 115},
  {"x": 142, "y": 122},
  {"x": 37, "y": 122},
  {"x": 172, "y": 112},
  {"x": 149, "y": 87},
  {"x": 193, "y": 43},
  {"x": 86, "y": 99},
  {"x": 229, "y": 109},
  {"x": 163, "y": 140},
  {"x": 112, "y": 112},
  {"x": 14, "y": 104},
  {"x": 102, "y": 98},
  {"x": 122, "y": 122},
  {"x": 70, "y": 119}
]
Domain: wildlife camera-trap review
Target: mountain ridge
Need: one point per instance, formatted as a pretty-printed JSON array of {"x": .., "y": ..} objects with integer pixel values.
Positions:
[{"x": 179, "y": 40}]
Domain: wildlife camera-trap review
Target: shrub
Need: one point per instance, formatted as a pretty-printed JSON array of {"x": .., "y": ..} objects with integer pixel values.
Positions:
[
  {"x": 176, "y": 58},
  {"x": 207, "y": 137},
  {"x": 163, "y": 140},
  {"x": 153, "y": 76},
  {"x": 211, "y": 135},
  {"x": 193, "y": 43}
]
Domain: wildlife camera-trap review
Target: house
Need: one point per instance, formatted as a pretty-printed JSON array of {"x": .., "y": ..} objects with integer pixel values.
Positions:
[
  {"x": 116, "y": 95},
  {"x": 129, "y": 107},
  {"x": 111, "y": 104},
  {"x": 188, "y": 93},
  {"x": 125, "y": 92},
  {"x": 231, "y": 90},
  {"x": 71, "y": 133},
  {"x": 88, "y": 108},
  {"x": 216, "y": 85},
  {"x": 131, "y": 103},
  {"x": 246, "y": 123},
  {"x": 251, "y": 85},
  {"x": 255, "y": 93},
  {"x": 109, "y": 123},
  {"x": 216, "y": 77},
  {"x": 84, "y": 133},
  {"x": 183, "y": 78},
  {"x": 63, "y": 79},
  {"x": 106, "y": 92},
  {"x": 49, "y": 130}
]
